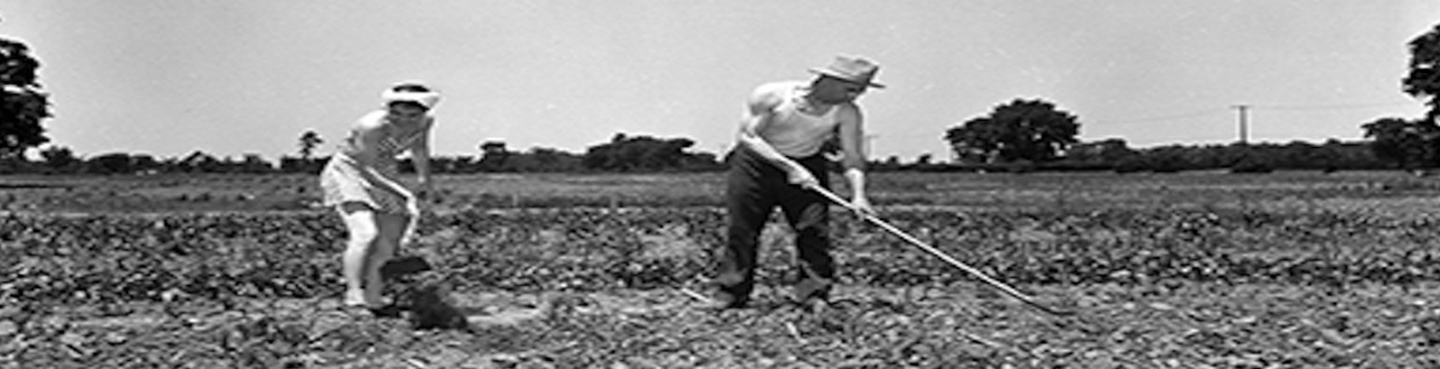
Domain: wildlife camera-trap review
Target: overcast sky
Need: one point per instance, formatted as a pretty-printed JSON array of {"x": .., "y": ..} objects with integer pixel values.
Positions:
[{"x": 169, "y": 77}]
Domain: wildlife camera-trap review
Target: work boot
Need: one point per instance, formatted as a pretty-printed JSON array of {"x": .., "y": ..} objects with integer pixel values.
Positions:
[
  {"x": 812, "y": 295},
  {"x": 816, "y": 306},
  {"x": 811, "y": 289}
]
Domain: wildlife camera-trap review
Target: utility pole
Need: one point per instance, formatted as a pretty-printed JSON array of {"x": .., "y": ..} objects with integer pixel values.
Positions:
[{"x": 1244, "y": 135}]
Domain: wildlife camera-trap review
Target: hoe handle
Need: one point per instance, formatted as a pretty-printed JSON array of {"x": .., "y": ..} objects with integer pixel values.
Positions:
[{"x": 940, "y": 254}]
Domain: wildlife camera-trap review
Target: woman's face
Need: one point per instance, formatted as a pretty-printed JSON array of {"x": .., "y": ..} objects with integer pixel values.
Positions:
[{"x": 406, "y": 112}]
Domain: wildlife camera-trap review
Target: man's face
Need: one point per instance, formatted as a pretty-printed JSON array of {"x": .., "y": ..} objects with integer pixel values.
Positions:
[{"x": 834, "y": 90}]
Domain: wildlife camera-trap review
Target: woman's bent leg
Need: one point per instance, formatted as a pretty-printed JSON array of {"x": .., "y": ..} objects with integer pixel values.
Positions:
[
  {"x": 392, "y": 230},
  {"x": 360, "y": 222}
]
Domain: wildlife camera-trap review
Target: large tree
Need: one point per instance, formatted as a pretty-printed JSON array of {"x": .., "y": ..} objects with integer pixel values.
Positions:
[
  {"x": 1019, "y": 130},
  {"x": 1407, "y": 143},
  {"x": 22, "y": 103},
  {"x": 1424, "y": 79},
  {"x": 1413, "y": 143}
]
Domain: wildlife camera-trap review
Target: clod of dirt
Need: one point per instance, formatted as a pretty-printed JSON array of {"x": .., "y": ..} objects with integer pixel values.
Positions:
[
  {"x": 8, "y": 328},
  {"x": 430, "y": 308},
  {"x": 424, "y": 294}
]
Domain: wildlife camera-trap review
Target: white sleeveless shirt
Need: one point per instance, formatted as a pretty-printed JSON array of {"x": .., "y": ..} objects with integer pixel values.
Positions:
[{"x": 794, "y": 133}]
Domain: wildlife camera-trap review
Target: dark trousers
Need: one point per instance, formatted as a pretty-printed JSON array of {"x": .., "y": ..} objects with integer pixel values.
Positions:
[{"x": 754, "y": 188}]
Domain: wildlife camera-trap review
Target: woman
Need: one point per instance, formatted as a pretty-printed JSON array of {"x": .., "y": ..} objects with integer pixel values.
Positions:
[{"x": 362, "y": 183}]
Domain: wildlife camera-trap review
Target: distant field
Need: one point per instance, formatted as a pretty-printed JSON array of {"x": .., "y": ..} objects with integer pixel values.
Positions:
[
  {"x": 1394, "y": 191},
  {"x": 1364, "y": 191}
]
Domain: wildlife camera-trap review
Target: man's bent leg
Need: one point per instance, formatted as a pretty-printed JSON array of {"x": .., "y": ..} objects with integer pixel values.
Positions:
[
  {"x": 748, "y": 207},
  {"x": 808, "y": 213}
]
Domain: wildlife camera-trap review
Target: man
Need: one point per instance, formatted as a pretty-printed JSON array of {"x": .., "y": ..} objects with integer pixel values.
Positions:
[{"x": 778, "y": 160}]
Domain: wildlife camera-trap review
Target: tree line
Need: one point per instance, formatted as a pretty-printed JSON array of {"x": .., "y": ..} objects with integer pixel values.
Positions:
[
  {"x": 622, "y": 153},
  {"x": 644, "y": 154}
]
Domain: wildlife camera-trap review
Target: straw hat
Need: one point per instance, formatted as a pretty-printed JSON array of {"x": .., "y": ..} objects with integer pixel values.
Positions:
[{"x": 853, "y": 69}]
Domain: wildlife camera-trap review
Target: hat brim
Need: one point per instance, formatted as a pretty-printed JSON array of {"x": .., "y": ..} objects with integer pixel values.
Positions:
[
  {"x": 425, "y": 99},
  {"x": 828, "y": 72}
]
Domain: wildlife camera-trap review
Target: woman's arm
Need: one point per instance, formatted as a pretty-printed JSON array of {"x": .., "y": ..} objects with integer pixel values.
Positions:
[{"x": 420, "y": 156}]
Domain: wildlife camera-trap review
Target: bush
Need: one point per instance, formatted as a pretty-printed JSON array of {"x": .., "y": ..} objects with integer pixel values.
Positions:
[{"x": 1252, "y": 166}]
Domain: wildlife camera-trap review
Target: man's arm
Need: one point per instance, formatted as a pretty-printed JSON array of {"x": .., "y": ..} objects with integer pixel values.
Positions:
[
  {"x": 852, "y": 136},
  {"x": 761, "y": 109}
]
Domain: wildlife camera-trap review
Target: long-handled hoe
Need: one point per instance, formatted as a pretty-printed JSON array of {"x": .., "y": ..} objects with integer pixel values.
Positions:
[{"x": 940, "y": 254}]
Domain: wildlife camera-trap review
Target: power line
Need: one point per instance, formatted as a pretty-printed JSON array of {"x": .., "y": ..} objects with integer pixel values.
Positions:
[
  {"x": 1327, "y": 106},
  {"x": 1252, "y": 107},
  {"x": 1243, "y": 110},
  {"x": 1199, "y": 113}
]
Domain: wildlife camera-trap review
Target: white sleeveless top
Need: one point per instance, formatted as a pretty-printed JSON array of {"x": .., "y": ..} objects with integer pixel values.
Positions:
[
  {"x": 796, "y": 134},
  {"x": 390, "y": 145}
]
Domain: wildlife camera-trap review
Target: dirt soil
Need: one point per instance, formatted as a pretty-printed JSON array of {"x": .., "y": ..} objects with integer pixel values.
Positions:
[{"x": 1180, "y": 326}]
